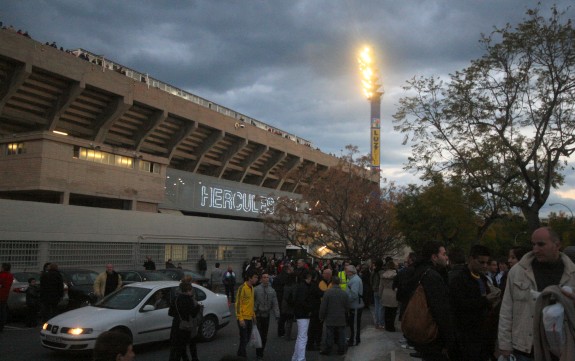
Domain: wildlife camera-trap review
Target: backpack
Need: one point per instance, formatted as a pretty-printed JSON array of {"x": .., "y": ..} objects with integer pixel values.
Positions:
[{"x": 417, "y": 323}]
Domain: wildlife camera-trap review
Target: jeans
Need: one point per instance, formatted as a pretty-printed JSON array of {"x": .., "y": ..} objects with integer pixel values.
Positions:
[
  {"x": 245, "y": 333},
  {"x": 379, "y": 320},
  {"x": 301, "y": 341}
]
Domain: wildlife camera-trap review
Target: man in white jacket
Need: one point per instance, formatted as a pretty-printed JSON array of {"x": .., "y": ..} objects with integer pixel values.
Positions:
[{"x": 544, "y": 266}]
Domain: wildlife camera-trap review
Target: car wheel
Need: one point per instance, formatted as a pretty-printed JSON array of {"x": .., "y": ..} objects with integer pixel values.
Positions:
[
  {"x": 123, "y": 330},
  {"x": 208, "y": 328}
]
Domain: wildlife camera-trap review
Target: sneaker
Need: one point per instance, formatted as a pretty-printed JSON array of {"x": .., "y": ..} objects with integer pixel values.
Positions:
[{"x": 407, "y": 347}]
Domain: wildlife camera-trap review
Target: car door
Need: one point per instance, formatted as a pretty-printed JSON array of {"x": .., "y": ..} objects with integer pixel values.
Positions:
[{"x": 154, "y": 325}]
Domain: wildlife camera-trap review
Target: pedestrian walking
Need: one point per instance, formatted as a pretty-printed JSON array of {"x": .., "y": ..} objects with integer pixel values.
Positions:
[
  {"x": 216, "y": 278},
  {"x": 183, "y": 308},
  {"x": 265, "y": 303},
  {"x": 202, "y": 265},
  {"x": 51, "y": 292},
  {"x": 32, "y": 302},
  {"x": 332, "y": 312},
  {"x": 107, "y": 282},
  {"x": 302, "y": 313},
  {"x": 149, "y": 265},
  {"x": 245, "y": 311},
  {"x": 354, "y": 292},
  {"x": 229, "y": 281}
]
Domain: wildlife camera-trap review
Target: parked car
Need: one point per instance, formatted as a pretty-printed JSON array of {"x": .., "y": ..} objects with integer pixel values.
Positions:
[
  {"x": 132, "y": 310},
  {"x": 17, "y": 295},
  {"x": 80, "y": 284},
  {"x": 178, "y": 273},
  {"x": 131, "y": 276}
]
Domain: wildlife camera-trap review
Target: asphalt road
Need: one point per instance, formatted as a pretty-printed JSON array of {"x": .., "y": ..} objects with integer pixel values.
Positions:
[{"x": 18, "y": 343}]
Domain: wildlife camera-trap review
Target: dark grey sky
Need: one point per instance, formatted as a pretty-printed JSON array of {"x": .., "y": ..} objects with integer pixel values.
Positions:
[{"x": 291, "y": 64}]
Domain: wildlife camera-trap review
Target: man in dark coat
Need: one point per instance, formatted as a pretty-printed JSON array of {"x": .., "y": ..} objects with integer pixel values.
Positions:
[
  {"x": 472, "y": 300},
  {"x": 433, "y": 259},
  {"x": 51, "y": 291},
  {"x": 202, "y": 265},
  {"x": 149, "y": 265}
]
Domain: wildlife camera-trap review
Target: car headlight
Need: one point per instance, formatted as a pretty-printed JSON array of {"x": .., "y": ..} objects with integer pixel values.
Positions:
[{"x": 78, "y": 331}]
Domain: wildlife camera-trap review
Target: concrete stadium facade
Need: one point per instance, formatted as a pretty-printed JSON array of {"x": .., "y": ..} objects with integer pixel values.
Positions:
[{"x": 100, "y": 163}]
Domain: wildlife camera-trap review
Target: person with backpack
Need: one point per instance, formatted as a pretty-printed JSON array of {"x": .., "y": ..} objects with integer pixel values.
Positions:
[{"x": 430, "y": 271}]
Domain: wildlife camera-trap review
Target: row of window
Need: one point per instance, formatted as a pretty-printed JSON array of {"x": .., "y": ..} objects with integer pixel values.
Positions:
[
  {"x": 97, "y": 156},
  {"x": 15, "y": 148}
]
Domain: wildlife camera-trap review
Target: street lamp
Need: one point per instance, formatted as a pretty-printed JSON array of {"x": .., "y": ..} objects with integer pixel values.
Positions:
[{"x": 561, "y": 204}]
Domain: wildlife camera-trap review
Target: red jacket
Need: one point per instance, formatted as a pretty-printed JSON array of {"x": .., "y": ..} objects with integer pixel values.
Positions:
[{"x": 6, "y": 279}]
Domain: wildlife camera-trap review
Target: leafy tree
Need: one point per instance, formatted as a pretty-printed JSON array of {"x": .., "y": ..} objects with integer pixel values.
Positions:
[
  {"x": 342, "y": 210},
  {"x": 437, "y": 211},
  {"x": 504, "y": 126}
]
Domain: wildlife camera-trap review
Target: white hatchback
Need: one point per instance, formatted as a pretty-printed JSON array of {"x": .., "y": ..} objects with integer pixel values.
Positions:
[{"x": 140, "y": 310}]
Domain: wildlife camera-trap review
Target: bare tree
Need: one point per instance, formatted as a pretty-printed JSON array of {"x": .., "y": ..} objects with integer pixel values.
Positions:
[{"x": 342, "y": 210}]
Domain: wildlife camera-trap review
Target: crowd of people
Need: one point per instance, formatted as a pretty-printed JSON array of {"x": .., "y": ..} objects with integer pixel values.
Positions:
[{"x": 484, "y": 308}]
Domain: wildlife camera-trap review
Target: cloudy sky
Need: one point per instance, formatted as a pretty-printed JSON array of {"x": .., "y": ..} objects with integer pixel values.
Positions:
[{"x": 289, "y": 63}]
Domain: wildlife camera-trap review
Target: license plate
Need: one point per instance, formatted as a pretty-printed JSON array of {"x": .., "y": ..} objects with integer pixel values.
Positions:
[{"x": 53, "y": 338}]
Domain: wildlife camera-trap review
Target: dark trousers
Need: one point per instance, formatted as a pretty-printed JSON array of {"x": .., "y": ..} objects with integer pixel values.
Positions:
[
  {"x": 179, "y": 339},
  {"x": 263, "y": 327},
  {"x": 230, "y": 293},
  {"x": 389, "y": 317},
  {"x": 245, "y": 333},
  {"x": 314, "y": 331},
  {"x": 354, "y": 322},
  {"x": 49, "y": 310},
  {"x": 32, "y": 314},
  {"x": 336, "y": 333},
  {"x": 3, "y": 314}
]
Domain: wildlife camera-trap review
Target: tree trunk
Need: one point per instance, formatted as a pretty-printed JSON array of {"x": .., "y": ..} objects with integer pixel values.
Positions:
[{"x": 531, "y": 214}]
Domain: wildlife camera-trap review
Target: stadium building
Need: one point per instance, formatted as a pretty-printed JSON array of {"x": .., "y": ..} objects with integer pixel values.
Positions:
[{"x": 100, "y": 163}]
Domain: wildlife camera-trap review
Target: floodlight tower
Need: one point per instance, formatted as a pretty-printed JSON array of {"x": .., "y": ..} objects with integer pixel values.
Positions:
[{"x": 371, "y": 89}]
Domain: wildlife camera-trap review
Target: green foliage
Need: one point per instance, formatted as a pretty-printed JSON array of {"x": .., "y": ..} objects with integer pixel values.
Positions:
[{"x": 437, "y": 212}]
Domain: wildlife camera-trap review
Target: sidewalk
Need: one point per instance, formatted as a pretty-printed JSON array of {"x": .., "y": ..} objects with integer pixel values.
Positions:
[{"x": 378, "y": 345}]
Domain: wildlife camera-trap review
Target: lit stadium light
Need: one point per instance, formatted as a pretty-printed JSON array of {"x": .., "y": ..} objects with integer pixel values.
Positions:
[{"x": 368, "y": 70}]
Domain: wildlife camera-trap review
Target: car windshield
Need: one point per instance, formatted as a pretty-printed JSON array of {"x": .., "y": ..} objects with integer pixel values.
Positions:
[
  {"x": 24, "y": 276},
  {"x": 124, "y": 299},
  {"x": 82, "y": 277}
]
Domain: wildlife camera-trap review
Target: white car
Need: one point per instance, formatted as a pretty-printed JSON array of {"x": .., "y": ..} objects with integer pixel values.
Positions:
[{"x": 139, "y": 309}]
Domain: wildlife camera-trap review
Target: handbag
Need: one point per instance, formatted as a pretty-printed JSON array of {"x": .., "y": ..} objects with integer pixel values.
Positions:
[
  {"x": 255, "y": 338},
  {"x": 417, "y": 323},
  {"x": 186, "y": 325}
]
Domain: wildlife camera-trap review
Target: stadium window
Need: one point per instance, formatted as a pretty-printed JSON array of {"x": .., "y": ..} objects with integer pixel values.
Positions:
[
  {"x": 177, "y": 252},
  {"x": 146, "y": 166},
  {"x": 97, "y": 156},
  {"x": 15, "y": 148}
]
